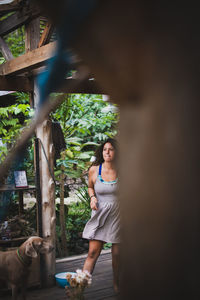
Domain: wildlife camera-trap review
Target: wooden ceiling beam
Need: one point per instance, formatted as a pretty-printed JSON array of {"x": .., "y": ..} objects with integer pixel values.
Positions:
[
  {"x": 24, "y": 84},
  {"x": 16, "y": 83},
  {"x": 28, "y": 61},
  {"x": 6, "y": 8},
  {"x": 12, "y": 6},
  {"x": 18, "y": 19}
]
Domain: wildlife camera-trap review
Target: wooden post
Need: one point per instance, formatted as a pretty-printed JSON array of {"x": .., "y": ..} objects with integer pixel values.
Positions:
[
  {"x": 153, "y": 76},
  {"x": 21, "y": 203},
  {"x": 48, "y": 198},
  {"x": 43, "y": 133},
  {"x": 32, "y": 35},
  {"x": 62, "y": 211},
  {"x": 38, "y": 187}
]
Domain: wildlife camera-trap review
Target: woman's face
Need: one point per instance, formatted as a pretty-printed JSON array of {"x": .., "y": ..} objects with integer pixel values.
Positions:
[{"x": 108, "y": 152}]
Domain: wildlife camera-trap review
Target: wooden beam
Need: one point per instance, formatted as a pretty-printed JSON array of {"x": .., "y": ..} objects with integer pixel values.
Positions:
[
  {"x": 17, "y": 83},
  {"x": 46, "y": 35},
  {"x": 5, "y": 8},
  {"x": 7, "y": 54},
  {"x": 13, "y": 6},
  {"x": 18, "y": 19},
  {"x": 24, "y": 84},
  {"x": 29, "y": 61},
  {"x": 32, "y": 34}
]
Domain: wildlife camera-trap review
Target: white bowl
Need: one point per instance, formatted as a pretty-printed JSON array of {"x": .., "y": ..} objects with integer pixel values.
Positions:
[{"x": 62, "y": 280}]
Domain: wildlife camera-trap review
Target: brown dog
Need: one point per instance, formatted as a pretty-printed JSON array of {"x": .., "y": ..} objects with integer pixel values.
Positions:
[{"x": 14, "y": 264}]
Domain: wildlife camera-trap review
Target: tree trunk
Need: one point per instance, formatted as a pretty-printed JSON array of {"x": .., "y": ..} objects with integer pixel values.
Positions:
[
  {"x": 48, "y": 200},
  {"x": 46, "y": 162}
]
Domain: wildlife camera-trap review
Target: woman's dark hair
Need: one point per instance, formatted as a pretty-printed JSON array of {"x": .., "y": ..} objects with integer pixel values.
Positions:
[{"x": 99, "y": 152}]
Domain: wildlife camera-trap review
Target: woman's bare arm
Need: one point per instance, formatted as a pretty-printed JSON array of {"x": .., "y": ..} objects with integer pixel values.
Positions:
[{"x": 91, "y": 192}]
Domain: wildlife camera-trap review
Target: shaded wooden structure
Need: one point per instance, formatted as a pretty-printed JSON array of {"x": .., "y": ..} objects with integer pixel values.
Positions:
[{"x": 17, "y": 74}]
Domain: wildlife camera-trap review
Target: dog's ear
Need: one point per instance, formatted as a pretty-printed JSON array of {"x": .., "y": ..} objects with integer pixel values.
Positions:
[{"x": 30, "y": 250}]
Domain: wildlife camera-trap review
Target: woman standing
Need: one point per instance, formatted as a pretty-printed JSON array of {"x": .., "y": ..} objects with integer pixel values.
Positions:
[{"x": 103, "y": 226}]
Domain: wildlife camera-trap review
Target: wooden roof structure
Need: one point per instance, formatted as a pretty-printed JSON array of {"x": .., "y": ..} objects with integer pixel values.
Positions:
[{"x": 18, "y": 73}]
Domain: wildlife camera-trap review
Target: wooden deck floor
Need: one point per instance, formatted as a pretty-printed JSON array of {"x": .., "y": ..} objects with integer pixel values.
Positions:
[{"x": 101, "y": 287}]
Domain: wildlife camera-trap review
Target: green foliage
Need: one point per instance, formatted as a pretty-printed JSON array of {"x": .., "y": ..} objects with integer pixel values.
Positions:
[
  {"x": 13, "y": 119},
  {"x": 15, "y": 41},
  {"x": 85, "y": 123},
  {"x": 82, "y": 115},
  {"x": 107, "y": 246}
]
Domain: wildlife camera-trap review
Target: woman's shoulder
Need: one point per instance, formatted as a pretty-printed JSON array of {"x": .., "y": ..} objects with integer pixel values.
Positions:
[
  {"x": 93, "y": 174},
  {"x": 93, "y": 169}
]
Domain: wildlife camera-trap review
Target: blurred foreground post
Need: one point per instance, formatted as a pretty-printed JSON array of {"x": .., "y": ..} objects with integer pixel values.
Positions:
[{"x": 146, "y": 56}]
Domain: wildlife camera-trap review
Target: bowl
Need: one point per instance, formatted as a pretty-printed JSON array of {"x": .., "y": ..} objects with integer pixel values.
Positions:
[{"x": 62, "y": 280}]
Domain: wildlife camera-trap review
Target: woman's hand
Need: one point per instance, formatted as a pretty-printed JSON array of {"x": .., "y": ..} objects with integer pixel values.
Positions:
[{"x": 94, "y": 203}]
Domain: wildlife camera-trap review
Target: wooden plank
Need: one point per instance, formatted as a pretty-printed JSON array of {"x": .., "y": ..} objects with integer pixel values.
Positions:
[
  {"x": 24, "y": 84},
  {"x": 10, "y": 7},
  {"x": 4, "y": 9},
  {"x": 32, "y": 34},
  {"x": 46, "y": 35},
  {"x": 7, "y": 54},
  {"x": 26, "y": 62},
  {"x": 16, "y": 83},
  {"x": 18, "y": 19}
]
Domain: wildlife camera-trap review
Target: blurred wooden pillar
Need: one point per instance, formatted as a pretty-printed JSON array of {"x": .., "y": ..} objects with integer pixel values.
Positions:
[{"x": 146, "y": 56}]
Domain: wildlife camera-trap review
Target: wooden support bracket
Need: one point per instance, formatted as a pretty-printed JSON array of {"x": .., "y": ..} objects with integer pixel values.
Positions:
[
  {"x": 7, "y": 54},
  {"x": 46, "y": 35}
]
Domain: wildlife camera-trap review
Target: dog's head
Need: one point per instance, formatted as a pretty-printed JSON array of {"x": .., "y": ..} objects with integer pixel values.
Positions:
[{"x": 35, "y": 245}]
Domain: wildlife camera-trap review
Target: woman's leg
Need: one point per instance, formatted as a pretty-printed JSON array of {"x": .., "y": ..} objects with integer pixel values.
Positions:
[
  {"x": 95, "y": 248},
  {"x": 115, "y": 266}
]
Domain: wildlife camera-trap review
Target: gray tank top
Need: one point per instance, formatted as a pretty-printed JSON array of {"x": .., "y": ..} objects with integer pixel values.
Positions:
[{"x": 106, "y": 191}]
